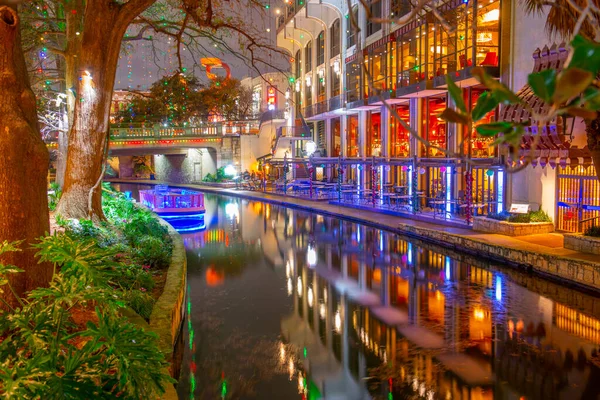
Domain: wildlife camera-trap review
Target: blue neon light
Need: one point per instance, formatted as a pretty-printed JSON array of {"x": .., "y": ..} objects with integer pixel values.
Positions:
[
  {"x": 448, "y": 189},
  {"x": 447, "y": 271},
  {"x": 409, "y": 254},
  {"x": 498, "y": 288},
  {"x": 500, "y": 190}
]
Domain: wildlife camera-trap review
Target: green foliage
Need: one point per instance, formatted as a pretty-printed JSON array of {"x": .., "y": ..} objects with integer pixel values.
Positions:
[
  {"x": 49, "y": 351},
  {"x": 593, "y": 231},
  {"x": 571, "y": 91},
  {"x": 531, "y": 216},
  {"x": 53, "y": 198},
  {"x": 149, "y": 250},
  {"x": 218, "y": 177},
  {"x": 180, "y": 99}
]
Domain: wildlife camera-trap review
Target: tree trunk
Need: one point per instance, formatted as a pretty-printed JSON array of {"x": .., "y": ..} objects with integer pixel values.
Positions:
[
  {"x": 593, "y": 136},
  {"x": 23, "y": 164},
  {"x": 105, "y": 23},
  {"x": 73, "y": 12}
]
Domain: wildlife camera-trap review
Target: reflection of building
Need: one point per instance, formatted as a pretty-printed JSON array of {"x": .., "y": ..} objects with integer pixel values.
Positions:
[
  {"x": 407, "y": 65},
  {"x": 417, "y": 322}
]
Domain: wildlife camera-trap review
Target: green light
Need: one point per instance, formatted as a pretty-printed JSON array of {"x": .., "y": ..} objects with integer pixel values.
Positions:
[
  {"x": 461, "y": 37},
  {"x": 184, "y": 69},
  {"x": 267, "y": 6},
  {"x": 223, "y": 389},
  {"x": 390, "y": 396},
  {"x": 305, "y": 352},
  {"x": 192, "y": 385},
  {"x": 292, "y": 80}
]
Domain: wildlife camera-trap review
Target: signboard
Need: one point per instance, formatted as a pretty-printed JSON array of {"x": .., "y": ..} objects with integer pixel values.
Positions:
[
  {"x": 271, "y": 98},
  {"x": 519, "y": 208}
]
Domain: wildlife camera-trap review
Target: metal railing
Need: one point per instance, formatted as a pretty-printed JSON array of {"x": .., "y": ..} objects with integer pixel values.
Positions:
[{"x": 209, "y": 129}]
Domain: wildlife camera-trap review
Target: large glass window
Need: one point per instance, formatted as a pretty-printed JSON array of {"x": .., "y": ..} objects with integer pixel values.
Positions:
[
  {"x": 377, "y": 69},
  {"x": 336, "y": 141},
  {"x": 352, "y": 136},
  {"x": 487, "y": 38},
  {"x": 334, "y": 38},
  {"x": 434, "y": 128},
  {"x": 391, "y": 66},
  {"x": 399, "y": 8},
  {"x": 399, "y": 136},
  {"x": 350, "y": 31},
  {"x": 321, "y": 48},
  {"x": 375, "y": 10},
  {"x": 410, "y": 52},
  {"x": 374, "y": 136},
  {"x": 321, "y": 85},
  {"x": 297, "y": 65},
  {"x": 334, "y": 79},
  {"x": 308, "y": 57},
  {"x": 307, "y": 94},
  {"x": 475, "y": 145},
  {"x": 353, "y": 81}
]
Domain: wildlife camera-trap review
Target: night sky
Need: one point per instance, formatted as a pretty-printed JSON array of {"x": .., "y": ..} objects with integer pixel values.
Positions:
[{"x": 140, "y": 65}]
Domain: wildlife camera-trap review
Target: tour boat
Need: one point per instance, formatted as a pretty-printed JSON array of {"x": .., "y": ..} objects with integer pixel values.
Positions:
[{"x": 182, "y": 208}]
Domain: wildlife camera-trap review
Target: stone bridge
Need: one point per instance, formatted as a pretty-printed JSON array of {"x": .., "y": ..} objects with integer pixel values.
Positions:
[{"x": 176, "y": 154}]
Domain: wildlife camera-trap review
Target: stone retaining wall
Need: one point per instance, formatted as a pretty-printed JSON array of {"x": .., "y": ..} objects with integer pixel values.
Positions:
[
  {"x": 169, "y": 310},
  {"x": 584, "y": 244},
  {"x": 580, "y": 272},
  {"x": 489, "y": 225}
]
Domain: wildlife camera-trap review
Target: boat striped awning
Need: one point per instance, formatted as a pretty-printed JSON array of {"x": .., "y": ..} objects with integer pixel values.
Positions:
[{"x": 554, "y": 145}]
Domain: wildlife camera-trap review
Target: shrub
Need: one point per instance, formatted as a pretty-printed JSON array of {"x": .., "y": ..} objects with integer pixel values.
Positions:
[
  {"x": 150, "y": 250},
  {"x": 531, "y": 216},
  {"x": 69, "y": 341},
  {"x": 593, "y": 231},
  {"x": 53, "y": 198}
]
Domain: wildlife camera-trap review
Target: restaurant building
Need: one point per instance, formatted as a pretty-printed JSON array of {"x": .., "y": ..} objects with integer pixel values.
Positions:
[{"x": 408, "y": 65}]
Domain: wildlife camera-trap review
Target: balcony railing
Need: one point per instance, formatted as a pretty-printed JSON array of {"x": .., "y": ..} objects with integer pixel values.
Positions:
[
  {"x": 229, "y": 128},
  {"x": 335, "y": 103}
]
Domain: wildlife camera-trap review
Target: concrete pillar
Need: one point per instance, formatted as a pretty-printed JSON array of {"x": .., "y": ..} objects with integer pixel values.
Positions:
[
  {"x": 414, "y": 122},
  {"x": 126, "y": 167}
]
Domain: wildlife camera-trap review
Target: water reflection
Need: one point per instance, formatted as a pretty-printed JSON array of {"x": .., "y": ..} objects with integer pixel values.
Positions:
[{"x": 285, "y": 304}]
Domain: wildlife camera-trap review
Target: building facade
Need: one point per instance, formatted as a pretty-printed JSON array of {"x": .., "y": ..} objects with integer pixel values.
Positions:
[{"x": 341, "y": 78}]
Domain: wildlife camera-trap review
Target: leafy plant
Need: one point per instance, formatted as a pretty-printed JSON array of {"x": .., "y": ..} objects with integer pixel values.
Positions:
[
  {"x": 149, "y": 250},
  {"x": 69, "y": 341},
  {"x": 531, "y": 216},
  {"x": 54, "y": 196},
  {"x": 593, "y": 231}
]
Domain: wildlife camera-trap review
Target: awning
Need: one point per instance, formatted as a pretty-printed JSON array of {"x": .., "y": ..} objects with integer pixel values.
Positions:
[{"x": 554, "y": 146}]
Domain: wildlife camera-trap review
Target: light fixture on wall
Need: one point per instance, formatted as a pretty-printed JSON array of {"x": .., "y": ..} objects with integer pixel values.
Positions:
[
  {"x": 308, "y": 81},
  {"x": 297, "y": 86},
  {"x": 336, "y": 67}
]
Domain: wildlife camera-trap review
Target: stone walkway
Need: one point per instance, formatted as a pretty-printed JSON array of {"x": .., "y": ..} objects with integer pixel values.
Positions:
[{"x": 542, "y": 253}]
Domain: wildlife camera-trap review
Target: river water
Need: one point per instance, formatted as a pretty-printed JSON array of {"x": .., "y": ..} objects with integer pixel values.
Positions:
[{"x": 285, "y": 304}]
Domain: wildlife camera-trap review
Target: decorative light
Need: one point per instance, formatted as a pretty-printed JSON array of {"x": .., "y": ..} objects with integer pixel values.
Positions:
[
  {"x": 336, "y": 67},
  {"x": 297, "y": 86},
  {"x": 299, "y": 286},
  {"x": 289, "y": 286},
  {"x": 311, "y": 254},
  {"x": 337, "y": 321},
  {"x": 310, "y": 147},
  {"x": 322, "y": 311},
  {"x": 230, "y": 170},
  {"x": 310, "y": 297},
  {"x": 308, "y": 81},
  {"x": 492, "y": 15}
]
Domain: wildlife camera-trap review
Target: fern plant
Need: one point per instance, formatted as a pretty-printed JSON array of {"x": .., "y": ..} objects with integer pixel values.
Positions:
[{"x": 48, "y": 351}]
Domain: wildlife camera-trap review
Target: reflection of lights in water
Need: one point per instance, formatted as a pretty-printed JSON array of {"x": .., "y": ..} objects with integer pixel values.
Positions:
[
  {"x": 447, "y": 272},
  {"x": 384, "y": 356},
  {"x": 430, "y": 395},
  {"x": 322, "y": 311},
  {"x": 479, "y": 314},
  {"x": 422, "y": 390},
  {"x": 299, "y": 286},
  {"x": 325, "y": 295},
  {"x": 290, "y": 286},
  {"x": 498, "y": 288},
  {"x": 282, "y": 353},
  {"x": 291, "y": 368},
  {"x": 310, "y": 297},
  {"x": 232, "y": 210},
  {"x": 311, "y": 256},
  {"x": 338, "y": 321},
  {"x": 415, "y": 384},
  {"x": 300, "y": 384},
  {"x": 288, "y": 269}
]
